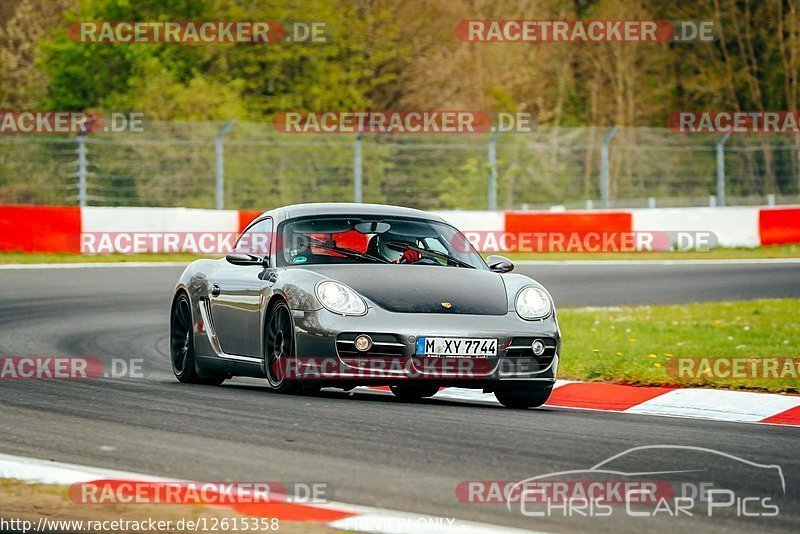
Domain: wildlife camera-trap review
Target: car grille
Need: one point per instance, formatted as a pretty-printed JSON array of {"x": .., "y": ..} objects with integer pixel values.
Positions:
[{"x": 520, "y": 357}]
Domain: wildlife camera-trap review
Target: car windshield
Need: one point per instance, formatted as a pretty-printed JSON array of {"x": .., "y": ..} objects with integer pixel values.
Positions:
[{"x": 374, "y": 239}]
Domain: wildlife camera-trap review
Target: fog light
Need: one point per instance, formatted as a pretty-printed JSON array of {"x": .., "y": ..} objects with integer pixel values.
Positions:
[
  {"x": 363, "y": 343},
  {"x": 537, "y": 347}
]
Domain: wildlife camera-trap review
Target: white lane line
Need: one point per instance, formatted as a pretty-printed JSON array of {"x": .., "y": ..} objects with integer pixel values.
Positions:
[
  {"x": 594, "y": 263},
  {"x": 48, "y": 472},
  {"x": 92, "y": 265},
  {"x": 365, "y": 518}
]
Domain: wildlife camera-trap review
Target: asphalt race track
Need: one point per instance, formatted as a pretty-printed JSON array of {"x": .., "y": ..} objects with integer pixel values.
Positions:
[
  {"x": 605, "y": 285},
  {"x": 371, "y": 448}
]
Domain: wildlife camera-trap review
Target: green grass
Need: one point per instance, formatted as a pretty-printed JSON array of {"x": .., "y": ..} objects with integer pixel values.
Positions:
[
  {"x": 775, "y": 251},
  {"x": 634, "y": 345},
  {"x": 21, "y": 257}
]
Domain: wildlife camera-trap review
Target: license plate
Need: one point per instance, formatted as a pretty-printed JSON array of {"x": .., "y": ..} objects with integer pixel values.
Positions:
[{"x": 456, "y": 347}]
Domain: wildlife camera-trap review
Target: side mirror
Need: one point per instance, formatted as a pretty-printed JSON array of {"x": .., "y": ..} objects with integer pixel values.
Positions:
[
  {"x": 239, "y": 258},
  {"x": 499, "y": 264}
]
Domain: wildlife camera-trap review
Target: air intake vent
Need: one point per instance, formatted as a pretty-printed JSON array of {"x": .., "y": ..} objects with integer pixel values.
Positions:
[{"x": 382, "y": 345}]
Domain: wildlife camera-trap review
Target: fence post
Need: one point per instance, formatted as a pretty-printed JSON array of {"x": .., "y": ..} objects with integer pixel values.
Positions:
[
  {"x": 493, "y": 170},
  {"x": 220, "y": 192},
  {"x": 358, "y": 185},
  {"x": 721, "y": 169},
  {"x": 604, "y": 179},
  {"x": 83, "y": 173}
]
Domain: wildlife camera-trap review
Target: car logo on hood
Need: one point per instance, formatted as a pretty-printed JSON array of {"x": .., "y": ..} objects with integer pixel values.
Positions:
[{"x": 446, "y": 305}]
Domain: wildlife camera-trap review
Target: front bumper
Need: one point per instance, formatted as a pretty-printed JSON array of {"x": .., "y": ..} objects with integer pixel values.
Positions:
[{"x": 325, "y": 350}]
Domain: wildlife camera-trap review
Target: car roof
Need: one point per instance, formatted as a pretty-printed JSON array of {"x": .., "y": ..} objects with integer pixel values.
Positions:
[{"x": 347, "y": 208}]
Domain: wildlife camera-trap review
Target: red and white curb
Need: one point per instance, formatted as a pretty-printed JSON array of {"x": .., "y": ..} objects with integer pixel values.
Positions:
[
  {"x": 341, "y": 516},
  {"x": 713, "y": 404}
]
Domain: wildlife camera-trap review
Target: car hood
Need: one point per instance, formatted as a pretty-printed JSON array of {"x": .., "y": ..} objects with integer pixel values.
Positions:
[{"x": 423, "y": 288}]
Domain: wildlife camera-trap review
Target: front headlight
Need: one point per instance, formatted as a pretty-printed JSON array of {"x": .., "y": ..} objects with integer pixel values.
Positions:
[
  {"x": 340, "y": 299},
  {"x": 533, "y": 303}
]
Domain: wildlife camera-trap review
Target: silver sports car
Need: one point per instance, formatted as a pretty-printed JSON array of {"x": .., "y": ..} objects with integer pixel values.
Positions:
[{"x": 346, "y": 295}]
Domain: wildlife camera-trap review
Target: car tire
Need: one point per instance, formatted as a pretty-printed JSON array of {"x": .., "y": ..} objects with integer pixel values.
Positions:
[
  {"x": 181, "y": 345},
  {"x": 279, "y": 349},
  {"x": 414, "y": 392},
  {"x": 522, "y": 398}
]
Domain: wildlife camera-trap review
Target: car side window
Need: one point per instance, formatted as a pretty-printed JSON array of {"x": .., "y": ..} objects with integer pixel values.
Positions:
[{"x": 256, "y": 240}]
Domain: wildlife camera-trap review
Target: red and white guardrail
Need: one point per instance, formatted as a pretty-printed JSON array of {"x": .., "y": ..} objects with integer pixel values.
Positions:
[{"x": 60, "y": 229}]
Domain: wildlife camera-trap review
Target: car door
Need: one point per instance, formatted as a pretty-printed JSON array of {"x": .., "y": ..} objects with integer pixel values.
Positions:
[{"x": 235, "y": 294}]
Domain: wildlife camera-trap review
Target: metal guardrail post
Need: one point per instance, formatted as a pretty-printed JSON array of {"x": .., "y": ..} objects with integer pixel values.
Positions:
[
  {"x": 604, "y": 178},
  {"x": 83, "y": 172},
  {"x": 721, "y": 169},
  {"x": 492, "y": 157},
  {"x": 220, "y": 189},
  {"x": 358, "y": 179}
]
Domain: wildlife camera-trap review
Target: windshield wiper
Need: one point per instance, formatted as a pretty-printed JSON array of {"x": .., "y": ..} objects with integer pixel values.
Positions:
[
  {"x": 345, "y": 251},
  {"x": 400, "y": 247}
]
